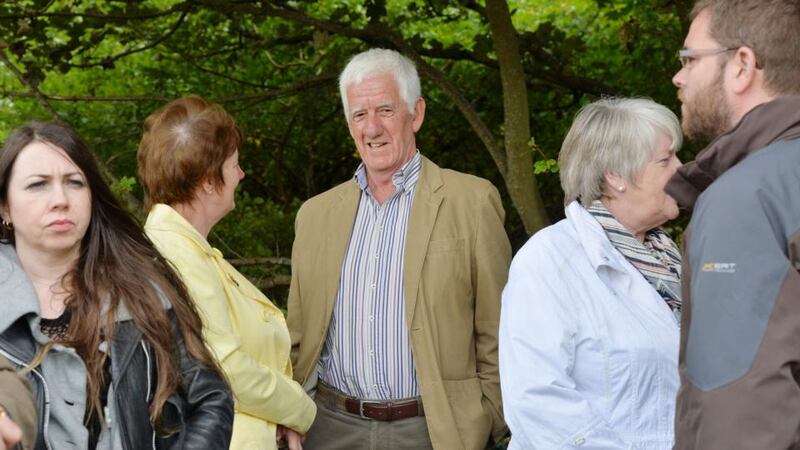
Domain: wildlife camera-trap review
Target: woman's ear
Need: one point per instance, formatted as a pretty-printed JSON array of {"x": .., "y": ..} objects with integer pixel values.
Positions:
[
  {"x": 4, "y": 213},
  {"x": 208, "y": 187},
  {"x": 614, "y": 183}
]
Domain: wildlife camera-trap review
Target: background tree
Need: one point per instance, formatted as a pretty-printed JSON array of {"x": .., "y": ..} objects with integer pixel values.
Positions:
[{"x": 495, "y": 73}]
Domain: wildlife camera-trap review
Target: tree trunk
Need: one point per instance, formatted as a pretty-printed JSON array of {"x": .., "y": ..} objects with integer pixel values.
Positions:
[{"x": 519, "y": 176}]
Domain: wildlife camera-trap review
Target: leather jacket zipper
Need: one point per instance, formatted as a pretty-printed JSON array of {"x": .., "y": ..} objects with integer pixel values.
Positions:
[{"x": 149, "y": 395}]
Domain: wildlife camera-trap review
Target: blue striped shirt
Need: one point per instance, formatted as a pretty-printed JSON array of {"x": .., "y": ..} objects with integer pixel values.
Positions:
[{"x": 367, "y": 352}]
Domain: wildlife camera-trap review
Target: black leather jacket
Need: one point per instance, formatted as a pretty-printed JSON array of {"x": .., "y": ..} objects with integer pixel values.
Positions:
[{"x": 202, "y": 411}]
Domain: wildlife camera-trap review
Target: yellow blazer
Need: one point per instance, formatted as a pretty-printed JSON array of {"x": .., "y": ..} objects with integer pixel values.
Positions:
[
  {"x": 456, "y": 263},
  {"x": 243, "y": 329}
]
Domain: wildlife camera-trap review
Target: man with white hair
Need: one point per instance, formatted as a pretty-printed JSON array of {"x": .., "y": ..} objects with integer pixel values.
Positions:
[
  {"x": 396, "y": 279},
  {"x": 740, "y": 333}
]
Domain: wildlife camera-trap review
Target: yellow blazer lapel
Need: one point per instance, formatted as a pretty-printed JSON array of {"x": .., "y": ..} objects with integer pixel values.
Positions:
[
  {"x": 420, "y": 224},
  {"x": 341, "y": 216}
]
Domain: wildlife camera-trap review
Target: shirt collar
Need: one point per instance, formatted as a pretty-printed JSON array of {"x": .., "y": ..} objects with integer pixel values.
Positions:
[
  {"x": 164, "y": 218},
  {"x": 404, "y": 179}
]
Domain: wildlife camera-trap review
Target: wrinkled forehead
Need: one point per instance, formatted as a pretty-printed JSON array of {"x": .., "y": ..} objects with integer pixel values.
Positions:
[
  {"x": 375, "y": 90},
  {"x": 376, "y": 81}
]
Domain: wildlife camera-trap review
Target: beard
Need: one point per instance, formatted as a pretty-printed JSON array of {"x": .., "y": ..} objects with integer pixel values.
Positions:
[{"x": 707, "y": 115}]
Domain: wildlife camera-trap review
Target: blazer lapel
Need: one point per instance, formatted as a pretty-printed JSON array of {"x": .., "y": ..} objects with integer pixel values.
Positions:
[
  {"x": 341, "y": 217},
  {"x": 424, "y": 210}
]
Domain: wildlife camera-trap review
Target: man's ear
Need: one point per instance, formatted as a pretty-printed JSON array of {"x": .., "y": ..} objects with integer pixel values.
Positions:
[
  {"x": 419, "y": 114},
  {"x": 743, "y": 70}
]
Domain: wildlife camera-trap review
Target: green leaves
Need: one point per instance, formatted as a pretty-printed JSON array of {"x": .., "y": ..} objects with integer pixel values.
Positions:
[
  {"x": 545, "y": 166},
  {"x": 104, "y": 65}
]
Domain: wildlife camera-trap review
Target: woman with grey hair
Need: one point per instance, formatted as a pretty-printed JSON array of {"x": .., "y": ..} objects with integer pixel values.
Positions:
[{"x": 590, "y": 315}]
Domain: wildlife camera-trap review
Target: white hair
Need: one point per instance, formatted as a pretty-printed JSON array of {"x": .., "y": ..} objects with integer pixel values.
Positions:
[
  {"x": 381, "y": 61},
  {"x": 612, "y": 136}
]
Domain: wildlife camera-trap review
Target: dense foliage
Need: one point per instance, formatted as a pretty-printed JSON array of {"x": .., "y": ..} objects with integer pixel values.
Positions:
[{"x": 104, "y": 65}]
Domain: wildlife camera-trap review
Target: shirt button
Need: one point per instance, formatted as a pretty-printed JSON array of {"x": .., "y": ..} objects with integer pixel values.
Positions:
[
  {"x": 373, "y": 285},
  {"x": 579, "y": 441},
  {"x": 371, "y": 318}
]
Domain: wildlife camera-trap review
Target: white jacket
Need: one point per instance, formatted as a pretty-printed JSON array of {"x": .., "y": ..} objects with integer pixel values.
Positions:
[{"x": 588, "y": 349}]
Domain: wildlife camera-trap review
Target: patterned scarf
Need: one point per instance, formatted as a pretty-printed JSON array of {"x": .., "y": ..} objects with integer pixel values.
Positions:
[{"x": 657, "y": 259}]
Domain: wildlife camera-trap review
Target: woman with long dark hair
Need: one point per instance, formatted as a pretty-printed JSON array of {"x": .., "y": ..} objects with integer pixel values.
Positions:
[{"x": 103, "y": 326}]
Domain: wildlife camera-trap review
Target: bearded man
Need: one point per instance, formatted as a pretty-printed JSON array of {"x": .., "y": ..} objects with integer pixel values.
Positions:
[{"x": 740, "y": 331}]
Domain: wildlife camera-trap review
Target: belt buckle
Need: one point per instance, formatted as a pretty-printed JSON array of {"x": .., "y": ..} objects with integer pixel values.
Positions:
[{"x": 361, "y": 404}]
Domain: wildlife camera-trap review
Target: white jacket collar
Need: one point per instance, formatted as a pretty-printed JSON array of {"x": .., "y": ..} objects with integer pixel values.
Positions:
[{"x": 593, "y": 238}]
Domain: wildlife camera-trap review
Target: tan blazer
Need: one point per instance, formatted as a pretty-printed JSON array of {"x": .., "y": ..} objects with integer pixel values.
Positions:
[
  {"x": 456, "y": 264},
  {"x": 15, "y": 399}
]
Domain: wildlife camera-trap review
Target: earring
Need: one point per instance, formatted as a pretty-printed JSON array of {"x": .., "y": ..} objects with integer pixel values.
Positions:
[
  {"x": 620, "y": 188},
  {"x": 6, "y": 225}
]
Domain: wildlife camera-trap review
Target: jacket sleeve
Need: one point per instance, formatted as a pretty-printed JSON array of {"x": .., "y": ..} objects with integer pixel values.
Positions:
[
  {"x": 294, "y": 309},
  {"x": 538, "y": 334},
  {"x": 259, "y": 391},
  {"x": 489, "y": 273},
  {"x": 208, "y": 403},
  {"x": 15, "y": 399},
  {"x": 739, "y": 354}
]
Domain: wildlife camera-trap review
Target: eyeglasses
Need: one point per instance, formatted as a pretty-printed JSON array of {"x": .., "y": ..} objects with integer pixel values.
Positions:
[{"x": 686, "y": 56}]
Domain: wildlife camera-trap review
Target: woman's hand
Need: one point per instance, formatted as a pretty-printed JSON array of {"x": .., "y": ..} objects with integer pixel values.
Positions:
[{"x": 294, "y": 440}]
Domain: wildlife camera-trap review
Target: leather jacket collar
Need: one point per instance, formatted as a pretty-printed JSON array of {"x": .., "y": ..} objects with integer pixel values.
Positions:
[{"x": 778, "y": 120}]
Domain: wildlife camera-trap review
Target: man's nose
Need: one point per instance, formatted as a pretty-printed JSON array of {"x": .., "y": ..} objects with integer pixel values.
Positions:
[
  {"x": 678, "y": 78},
  {"x": 373, "y": 127}
]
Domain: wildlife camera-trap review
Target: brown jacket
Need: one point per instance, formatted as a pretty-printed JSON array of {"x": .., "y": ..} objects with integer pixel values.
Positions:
[
  {"x": 740, "y": 332},
  {"x": 15, "y": 398},
  {"x": 456, "y": 264}
]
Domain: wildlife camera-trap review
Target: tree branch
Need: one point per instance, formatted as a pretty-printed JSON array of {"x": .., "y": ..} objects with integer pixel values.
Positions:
[
  {"x": 478, "y": 125},
  {"x": 274, "y": 93},
  {"x": 33, "y": 90},
  {"x": 260, "y": 96},
  {"x": 89, "y": 15},
  {"x": 197, "y": 66},
  {"x": 278, "y": 261},
  {"x": 107, "y": 61},
  {"x": 91, "y": 98}
]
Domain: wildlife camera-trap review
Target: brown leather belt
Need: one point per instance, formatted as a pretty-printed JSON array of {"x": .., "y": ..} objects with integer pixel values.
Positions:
[{"x": 367, "y": 409}]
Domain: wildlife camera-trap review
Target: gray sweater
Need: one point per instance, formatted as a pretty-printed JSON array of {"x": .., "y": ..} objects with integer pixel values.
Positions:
[{"x": 62, "y": 369}]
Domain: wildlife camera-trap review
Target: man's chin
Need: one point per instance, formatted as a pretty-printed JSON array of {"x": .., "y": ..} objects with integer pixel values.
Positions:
[{"x": 694, "y": 131}]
